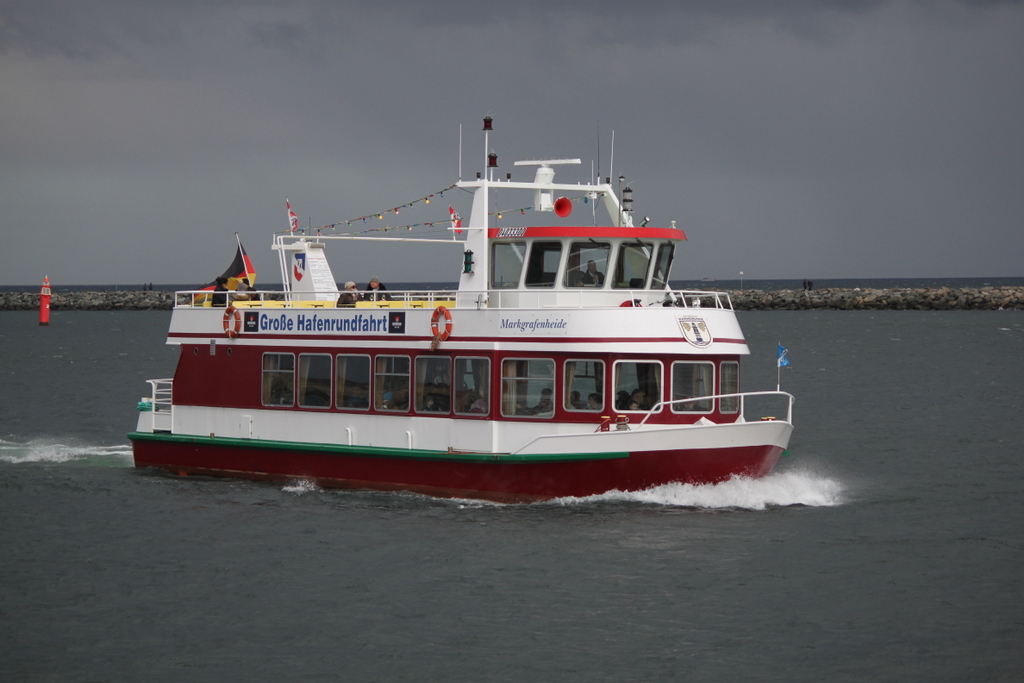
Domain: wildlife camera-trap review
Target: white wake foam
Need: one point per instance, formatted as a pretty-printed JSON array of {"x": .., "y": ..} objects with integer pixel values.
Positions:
[
  {"x": 775, "y": 490},
  {"x": 301, "y": 486},
  {"x": 44, "y": 450}
]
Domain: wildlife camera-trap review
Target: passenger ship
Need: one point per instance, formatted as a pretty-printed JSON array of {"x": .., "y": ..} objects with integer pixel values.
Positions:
[{"x": 563, "y": 364}]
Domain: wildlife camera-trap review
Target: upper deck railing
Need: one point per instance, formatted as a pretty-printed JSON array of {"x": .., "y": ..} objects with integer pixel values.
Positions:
[
  {"x": 741, "y": 397},
  {"x": 569, "y": 298}
]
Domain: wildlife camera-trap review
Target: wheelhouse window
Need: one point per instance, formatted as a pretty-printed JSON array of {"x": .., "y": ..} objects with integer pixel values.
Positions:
[
  {"x": 278, "y": 379},
  {"x": 473, "y": 382},
  {"x": 314, "y": 380},
  {"x": 631, "y": 268},
  {"x": 353, "y": 382},
  {"x": 584, "y": 385},
  {"x": 587, "y": 264},
  {"x": 433, "y": 384},
  {"x": 730, "y": 377},
  {"x": 662, "y": 267},
  {"x": 528, "y": 387},
  {"x": 542, "y": 268},
  {"x": 691, "y": 380},
  {"x": 391, "y": 383},
  {"x": 637, "y": 385},
  {"x": 507, "y": 264}
]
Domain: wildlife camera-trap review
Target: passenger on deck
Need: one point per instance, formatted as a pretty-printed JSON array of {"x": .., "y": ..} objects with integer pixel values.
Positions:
[
  {"x": 220, "y": 292},
  {"x": 243, "y": 292},
  {"x": 349, "y": 295},
  {"x": 375, "y": 291}
]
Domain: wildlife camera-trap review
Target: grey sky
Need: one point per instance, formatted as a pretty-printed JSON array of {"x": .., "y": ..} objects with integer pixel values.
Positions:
[{"x": 789, "y": 139}]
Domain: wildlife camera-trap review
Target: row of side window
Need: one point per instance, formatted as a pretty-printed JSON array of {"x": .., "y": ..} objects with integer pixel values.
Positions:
[
  {"x": 586, "y": 264},
  {"x": 391, "y": 382}
]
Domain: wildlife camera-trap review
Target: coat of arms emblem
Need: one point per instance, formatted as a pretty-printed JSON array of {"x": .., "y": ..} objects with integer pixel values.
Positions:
[{"x": 696, "y": 331}]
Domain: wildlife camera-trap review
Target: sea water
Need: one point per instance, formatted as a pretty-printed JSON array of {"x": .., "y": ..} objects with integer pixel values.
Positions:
[{"x": 887, "y": 545}]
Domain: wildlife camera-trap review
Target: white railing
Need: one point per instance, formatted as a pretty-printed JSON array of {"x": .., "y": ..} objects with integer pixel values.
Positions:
[
  {"x": 163, "y": 407},
  {"x": 612, "y": 426},
  {"x": 493, "y": 298},
  {"x": 273, "y": 299},
  {"x": 696, "y": 298},
  {"x": 594, "y": 298},
  {"x": 742, "y": 406}
]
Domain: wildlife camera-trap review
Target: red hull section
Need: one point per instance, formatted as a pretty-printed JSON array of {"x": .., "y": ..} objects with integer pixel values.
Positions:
[{"x": 448, "y": 477}]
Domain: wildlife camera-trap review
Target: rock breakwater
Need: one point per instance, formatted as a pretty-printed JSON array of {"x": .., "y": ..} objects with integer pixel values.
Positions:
[
  {"x": 90, "y": 301},
  {"x": 940, "y": 299}
]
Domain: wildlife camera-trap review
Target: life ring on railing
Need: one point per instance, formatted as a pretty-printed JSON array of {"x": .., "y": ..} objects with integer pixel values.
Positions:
[
  {"x": 435, "y": 326},
  {"x": 232, "y": 322},
  {"x": 630, "y": 303}
]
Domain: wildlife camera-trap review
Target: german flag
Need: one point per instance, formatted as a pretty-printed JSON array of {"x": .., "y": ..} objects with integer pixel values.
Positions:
[{"x": 240, "y": 269}]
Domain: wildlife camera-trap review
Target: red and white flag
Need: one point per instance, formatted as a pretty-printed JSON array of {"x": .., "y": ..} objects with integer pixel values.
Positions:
[
  {"x": 456, "y": 220},
  {"x": 293, "y": 220}
]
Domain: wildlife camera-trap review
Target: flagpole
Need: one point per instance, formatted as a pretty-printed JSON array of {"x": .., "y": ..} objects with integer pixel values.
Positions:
[
  {"x": 778, "y": 372},
  {"x": 781, "y": 358}
]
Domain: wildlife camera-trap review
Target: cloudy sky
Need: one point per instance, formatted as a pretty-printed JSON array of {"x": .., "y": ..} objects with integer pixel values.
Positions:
[{"x": 788, "y": 138}]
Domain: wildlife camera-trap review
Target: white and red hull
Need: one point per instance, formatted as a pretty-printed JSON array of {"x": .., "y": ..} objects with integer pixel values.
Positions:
[
  {"x": 563, "y": 364},
  {"x": 502, "y": 478}
]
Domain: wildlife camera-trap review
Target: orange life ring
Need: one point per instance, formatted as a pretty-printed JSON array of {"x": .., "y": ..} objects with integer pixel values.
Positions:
[
  {"x": 435, "y": 329},
  {"x": 232, "y": 328}
]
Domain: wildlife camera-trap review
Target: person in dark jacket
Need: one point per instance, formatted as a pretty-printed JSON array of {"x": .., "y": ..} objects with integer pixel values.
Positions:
[
  {"x": 375, "y": 291},
  {"x": 220, "y": 292}
]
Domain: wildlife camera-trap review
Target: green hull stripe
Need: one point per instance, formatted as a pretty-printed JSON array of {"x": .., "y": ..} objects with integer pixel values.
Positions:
[{"x": 373, "y": 451}]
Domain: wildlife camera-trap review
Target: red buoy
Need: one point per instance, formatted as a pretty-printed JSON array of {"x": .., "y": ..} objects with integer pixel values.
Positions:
[{"x": 44, "y": 302}]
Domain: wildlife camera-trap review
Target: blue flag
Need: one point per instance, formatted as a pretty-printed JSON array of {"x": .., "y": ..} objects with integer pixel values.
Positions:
[{"x": 783, "y": 356}]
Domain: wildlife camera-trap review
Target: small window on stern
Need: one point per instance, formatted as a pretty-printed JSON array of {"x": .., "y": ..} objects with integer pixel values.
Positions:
[
  {"x": 584, "y": 385},
  {"x": 472, "y": 386},
  {"x": 391, "y": 383},
  {"x": 314, "y": 380},
  {"x": 278, "y": 379},
  {"x": 433, "y": 384},
  {"x": 352, "y": 379},
  {"x": 527, "y": 387},
  {"x": 730, "y": 385},
  {"x": 692, "y": 380},
  {"x": 637, "y": 385}
]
